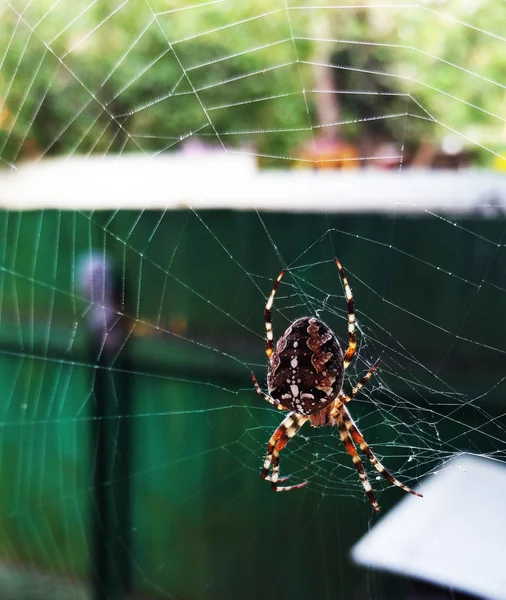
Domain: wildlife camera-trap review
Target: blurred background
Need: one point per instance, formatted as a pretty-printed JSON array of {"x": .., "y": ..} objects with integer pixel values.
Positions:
[{"x": 160, "y": 162}]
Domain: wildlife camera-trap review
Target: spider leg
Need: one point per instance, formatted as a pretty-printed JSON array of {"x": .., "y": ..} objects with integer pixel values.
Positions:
[
  {"x": 352, "y": 339},
  {"x": 344, "y": 398},
  {"x": 286, "y": 430},
  {"x": 362, "y": 444},
  {"x": 265, "y": 396},
  {"x": 267, "y": 316},
  {"x": 352, "y": 451}
]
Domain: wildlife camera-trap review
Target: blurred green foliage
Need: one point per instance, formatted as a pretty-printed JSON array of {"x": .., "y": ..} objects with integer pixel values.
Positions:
[{"x": 113, "y": 76}]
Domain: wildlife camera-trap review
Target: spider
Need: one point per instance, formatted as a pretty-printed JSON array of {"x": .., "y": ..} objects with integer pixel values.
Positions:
[{"x": 305, "y": 376}]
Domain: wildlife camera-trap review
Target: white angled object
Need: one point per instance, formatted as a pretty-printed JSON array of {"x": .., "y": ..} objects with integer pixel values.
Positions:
[{"x": 454, "y": 537}]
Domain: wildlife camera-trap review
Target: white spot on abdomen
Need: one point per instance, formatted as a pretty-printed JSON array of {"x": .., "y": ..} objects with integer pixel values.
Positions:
[
  {"x": 294, "y": 363},
  {"x": 295, "y": 390}
]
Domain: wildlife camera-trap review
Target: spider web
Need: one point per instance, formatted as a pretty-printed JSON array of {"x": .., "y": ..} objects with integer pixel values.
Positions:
[{"x": 94, "y": 97}]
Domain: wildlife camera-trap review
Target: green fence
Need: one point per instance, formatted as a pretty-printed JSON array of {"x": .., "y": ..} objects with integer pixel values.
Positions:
[{"x": 429, "y": 300}]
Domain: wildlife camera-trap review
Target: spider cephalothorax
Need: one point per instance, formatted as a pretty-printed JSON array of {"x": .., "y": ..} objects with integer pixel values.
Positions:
[{"x": 305, "y": 376}]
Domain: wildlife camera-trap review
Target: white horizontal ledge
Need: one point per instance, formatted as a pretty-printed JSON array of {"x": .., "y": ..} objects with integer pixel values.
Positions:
[{"x": 227, "y": 181}]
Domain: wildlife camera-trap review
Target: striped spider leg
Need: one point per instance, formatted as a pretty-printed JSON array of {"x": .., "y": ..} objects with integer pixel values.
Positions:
[{"x": 351, "y": 437}]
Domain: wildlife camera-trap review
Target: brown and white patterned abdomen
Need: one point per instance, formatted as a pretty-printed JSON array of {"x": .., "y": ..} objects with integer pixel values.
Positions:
[{"x": 306, "y": 368}]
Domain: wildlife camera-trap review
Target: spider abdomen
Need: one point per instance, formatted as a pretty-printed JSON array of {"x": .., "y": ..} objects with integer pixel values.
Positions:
[{"x": 306, "y": 369}]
